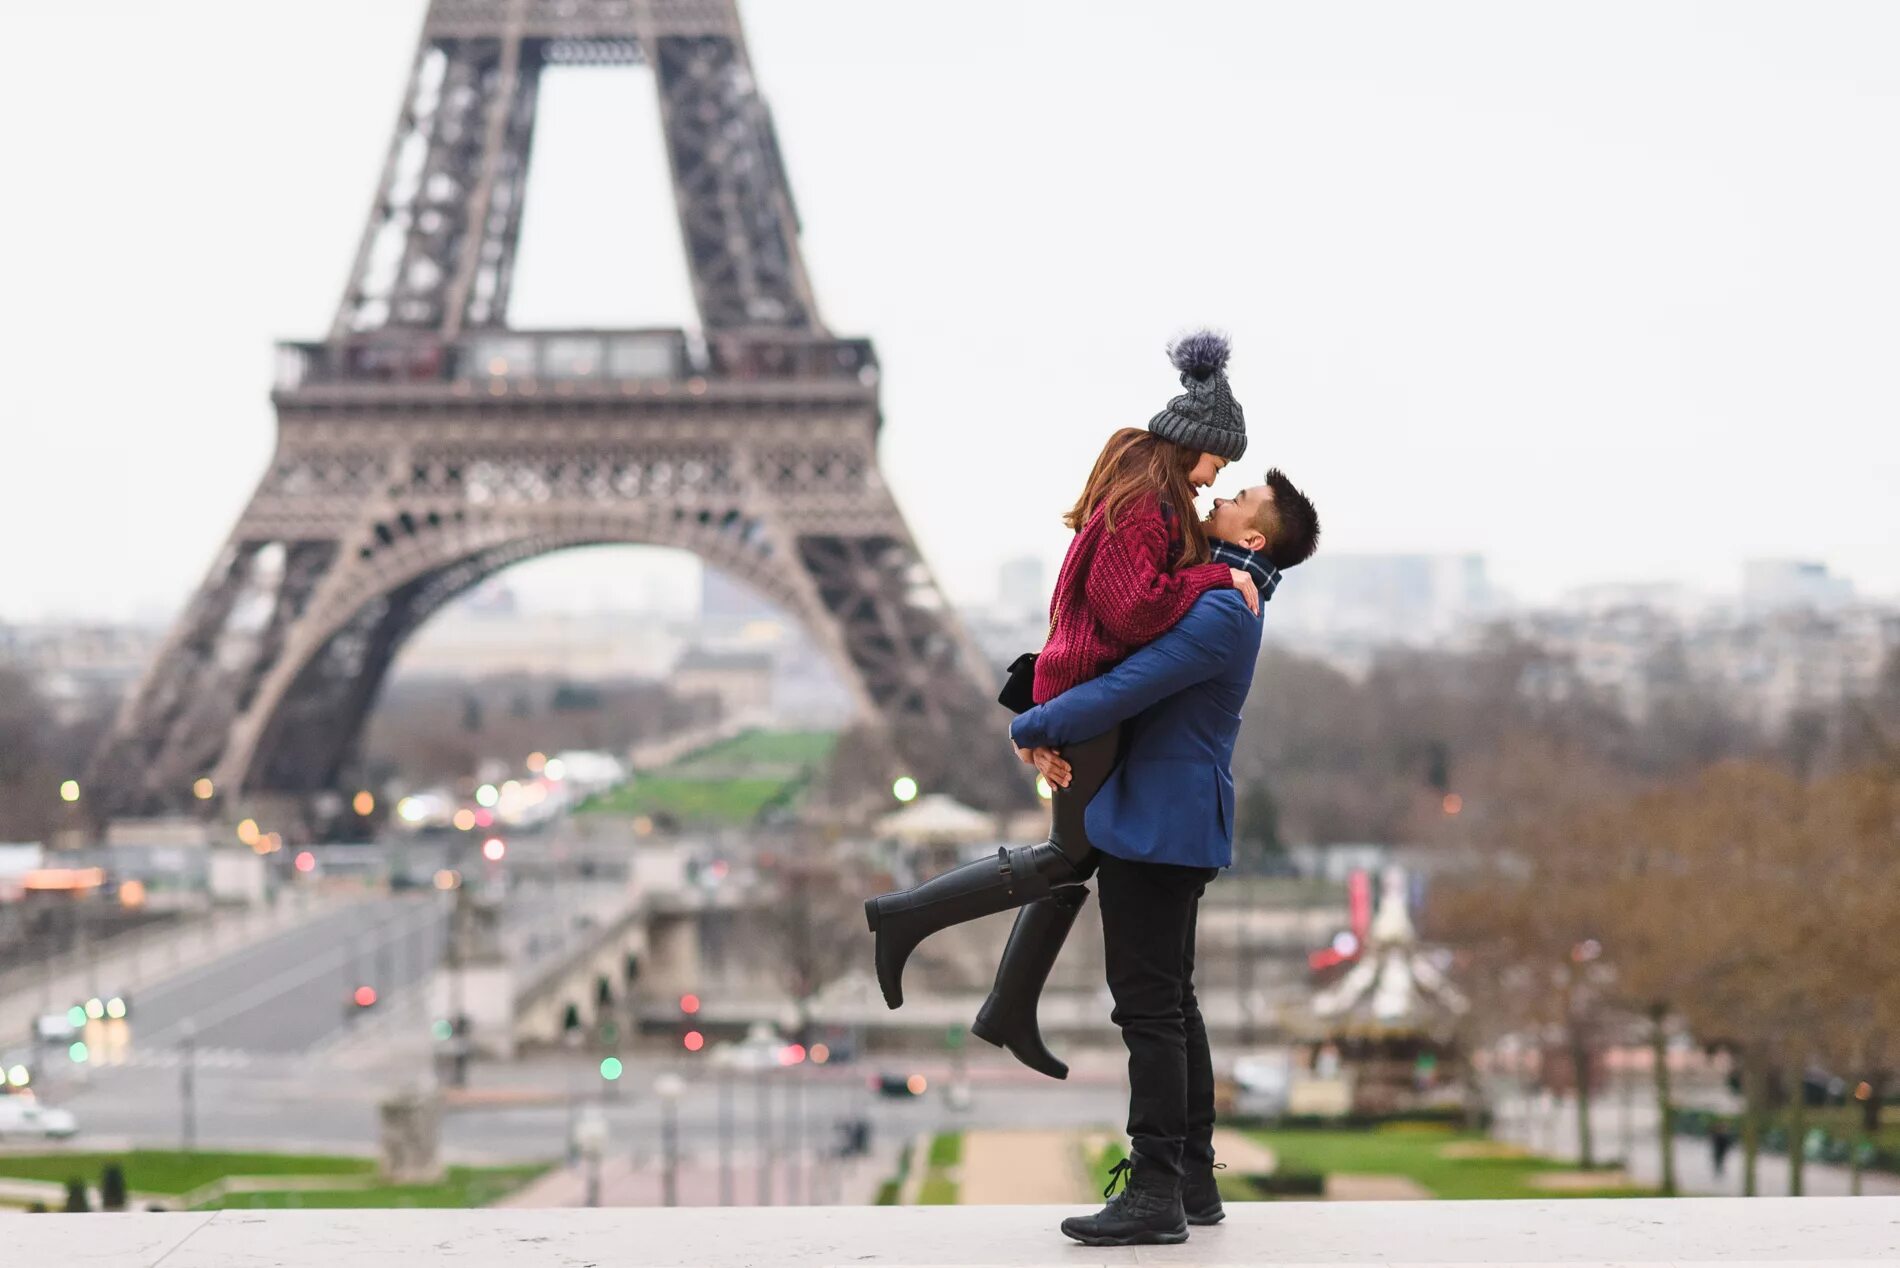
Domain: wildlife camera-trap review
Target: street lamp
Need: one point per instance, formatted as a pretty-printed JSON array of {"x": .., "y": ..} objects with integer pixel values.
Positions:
[
  {"x": 187, "y": 1092},
  {"x": 669, "y": 1086},
  {"x": 590, "y": 1138}
]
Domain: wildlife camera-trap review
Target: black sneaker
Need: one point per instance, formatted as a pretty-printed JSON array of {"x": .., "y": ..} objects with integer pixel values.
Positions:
[
  {"x": 1200, "y": 1196},
  {"x": 1147, "y": 1212}
]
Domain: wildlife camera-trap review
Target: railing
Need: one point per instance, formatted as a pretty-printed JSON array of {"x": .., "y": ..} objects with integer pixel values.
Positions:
[{"x": 572, "y": 357}]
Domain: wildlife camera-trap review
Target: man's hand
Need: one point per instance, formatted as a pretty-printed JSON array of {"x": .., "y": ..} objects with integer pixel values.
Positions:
[
  {"x": 1051, "y": 766},
  {"x": 1243, "y": 582}
]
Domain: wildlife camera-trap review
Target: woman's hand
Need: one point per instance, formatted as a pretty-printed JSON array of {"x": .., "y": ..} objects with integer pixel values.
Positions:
[
  {"x": 1050, "y": 765},
  {"x": 1243, "y": 582}
]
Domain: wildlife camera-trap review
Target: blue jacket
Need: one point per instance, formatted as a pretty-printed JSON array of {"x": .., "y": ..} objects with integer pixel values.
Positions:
[{"x": 1172, "y": 798}]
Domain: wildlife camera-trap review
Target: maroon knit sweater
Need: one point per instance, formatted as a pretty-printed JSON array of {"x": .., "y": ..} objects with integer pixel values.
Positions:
[{"x": 1114, "y": 595}]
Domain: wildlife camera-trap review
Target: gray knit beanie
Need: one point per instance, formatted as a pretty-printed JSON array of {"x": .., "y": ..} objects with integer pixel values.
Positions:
[{"x": 1206, "y": 416}]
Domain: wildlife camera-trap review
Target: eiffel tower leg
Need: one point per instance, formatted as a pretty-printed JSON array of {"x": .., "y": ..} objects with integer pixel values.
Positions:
[{"x": 172, "y": 730}]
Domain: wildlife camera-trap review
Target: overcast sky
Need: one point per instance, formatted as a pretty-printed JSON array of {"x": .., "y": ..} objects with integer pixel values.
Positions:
[{"x": 1603, "y": 291}]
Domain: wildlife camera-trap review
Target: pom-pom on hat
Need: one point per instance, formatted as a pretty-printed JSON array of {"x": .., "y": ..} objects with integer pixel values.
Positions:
[{"x": 1206, "y": 416}]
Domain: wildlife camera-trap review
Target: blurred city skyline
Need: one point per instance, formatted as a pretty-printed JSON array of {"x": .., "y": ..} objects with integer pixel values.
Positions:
[{"x": 1599, "y": 294}]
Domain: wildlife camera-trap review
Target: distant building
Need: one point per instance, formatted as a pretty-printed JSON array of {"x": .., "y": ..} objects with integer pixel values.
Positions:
[
  {"x": 1766, "y": 664},
  {"x": 723, "y": 601},
  {"x": 79, "y": 668},
  {"x": 592, "y": 646},
  {"x": 1342, "y": 604},
  {"x": 1795, "y": 658},
  {"x": 1001, "y": 638},
  {"x": 1020, "y": 589},
  {"x": 1771, "y": 584},
  {"x": 742, "y": 681}
]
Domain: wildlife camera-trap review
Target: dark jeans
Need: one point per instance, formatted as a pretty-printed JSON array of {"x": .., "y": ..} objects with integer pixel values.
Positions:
[{"x": 1148, "y": 912}]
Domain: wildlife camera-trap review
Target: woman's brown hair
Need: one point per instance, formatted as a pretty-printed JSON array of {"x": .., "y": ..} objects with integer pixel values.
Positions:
[{"x": 1137, "y": 464}]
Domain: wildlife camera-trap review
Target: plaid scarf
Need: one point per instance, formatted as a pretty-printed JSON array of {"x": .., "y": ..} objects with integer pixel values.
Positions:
[{"x": 1264, "y": 574}]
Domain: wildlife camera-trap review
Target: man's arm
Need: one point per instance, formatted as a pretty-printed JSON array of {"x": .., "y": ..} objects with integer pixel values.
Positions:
[{"x": 1193, "y": 651}]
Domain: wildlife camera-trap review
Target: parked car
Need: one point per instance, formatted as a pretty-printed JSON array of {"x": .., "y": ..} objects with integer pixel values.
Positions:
[
  {"x": 25, "y": 1116},
  {"x": 759, "y": 1050},
  {"x": 1262, "y": 1083},
  {"x": 54, "y": 1028},
  {"x": 900, "y": 1085}
]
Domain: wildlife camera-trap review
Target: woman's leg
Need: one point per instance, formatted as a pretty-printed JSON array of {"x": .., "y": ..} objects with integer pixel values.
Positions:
[
  {"x": 1015, "y": 876},
  {"x": 1008, "y": 1017}
]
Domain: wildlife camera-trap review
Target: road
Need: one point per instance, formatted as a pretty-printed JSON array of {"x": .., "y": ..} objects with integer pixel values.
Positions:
[
  {"x": 287, "y": 1104},
  {"x": 288, "y": 992},
  {"x": 291, "y": 992}
]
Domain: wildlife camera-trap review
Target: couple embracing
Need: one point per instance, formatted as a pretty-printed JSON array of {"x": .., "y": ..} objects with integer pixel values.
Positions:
[{"x": 1130, "y": 712}]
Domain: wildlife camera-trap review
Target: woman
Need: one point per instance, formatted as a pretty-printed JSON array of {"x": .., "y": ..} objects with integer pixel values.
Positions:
[{"x": 1137, "y": 563}]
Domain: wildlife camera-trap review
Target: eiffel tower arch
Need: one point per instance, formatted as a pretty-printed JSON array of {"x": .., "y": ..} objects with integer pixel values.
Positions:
[{"x": 425, "y": 445}]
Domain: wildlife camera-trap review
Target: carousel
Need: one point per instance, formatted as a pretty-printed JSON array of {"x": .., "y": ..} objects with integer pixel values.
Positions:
[{"x": 1383, "y": 1026}]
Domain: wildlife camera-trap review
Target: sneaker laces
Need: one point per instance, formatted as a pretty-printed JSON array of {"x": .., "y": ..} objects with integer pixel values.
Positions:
[{"x": 1118, "y": 1174}]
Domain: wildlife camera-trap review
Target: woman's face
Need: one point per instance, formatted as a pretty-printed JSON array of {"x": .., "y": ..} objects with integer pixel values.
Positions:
[{"x": 1205, "y": 470}]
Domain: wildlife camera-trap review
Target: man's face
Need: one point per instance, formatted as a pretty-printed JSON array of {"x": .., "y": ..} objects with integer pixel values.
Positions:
[{"x": 1235, "y": 519}]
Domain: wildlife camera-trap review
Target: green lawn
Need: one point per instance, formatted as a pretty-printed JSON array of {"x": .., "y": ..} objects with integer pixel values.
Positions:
[
  {"x": 689, "y": 800},
  {"x": 1104, "y": 1162},
  {"x": 937, "y": 1190},
  {"x": 767, "y": 748},
  {"x": 730, "y": 782},
  {"x": 170, "y": 1172},
  {"x": 941, "y": 1186},
  {"x": 1418, "y": 1154},
  {"x": 463, "y": 1187},
  {"x": 946, "y": 1149}
]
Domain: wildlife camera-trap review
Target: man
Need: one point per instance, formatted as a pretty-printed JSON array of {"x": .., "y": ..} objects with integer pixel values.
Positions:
[{"x": 1163, "y": 826}]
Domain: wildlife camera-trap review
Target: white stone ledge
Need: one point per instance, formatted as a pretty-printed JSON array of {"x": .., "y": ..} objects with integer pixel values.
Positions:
[{"x": 1686, "y": 1231}]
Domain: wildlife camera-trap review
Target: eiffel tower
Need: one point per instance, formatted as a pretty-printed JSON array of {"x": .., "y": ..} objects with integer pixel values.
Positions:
[{"x": 425, "y": 445}]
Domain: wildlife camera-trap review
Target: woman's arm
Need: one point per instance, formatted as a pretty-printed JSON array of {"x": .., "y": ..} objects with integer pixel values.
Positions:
[
  {"x": 1129, "y": 589},
  {"x": 1193, "y": 651}
]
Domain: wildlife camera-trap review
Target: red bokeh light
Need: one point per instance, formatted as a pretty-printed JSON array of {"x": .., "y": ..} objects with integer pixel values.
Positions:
[
  {"x": 689, "y": 1004},
  {"x": 694, "y": 1041},
  {"x": 306, "y": 862},
  {"x": 365, "y": 996}
]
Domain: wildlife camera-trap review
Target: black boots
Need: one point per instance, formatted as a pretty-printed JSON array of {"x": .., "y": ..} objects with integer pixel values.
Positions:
[
  {"x": 1147, "y": 1212},
  {"x": 1200, "y": 1196},
  {"x": 1014, "y": 877},
  {"x": 1008, "y": 1017},
  {"x": 906, "y": 918}
]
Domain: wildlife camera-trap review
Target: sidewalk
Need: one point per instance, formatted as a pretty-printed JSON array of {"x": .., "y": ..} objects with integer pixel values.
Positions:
[
  {"x": 625, "y": 1181},
  {"x": 1552, "y": 1130},
  {"x": 1015, "y": 1167}
]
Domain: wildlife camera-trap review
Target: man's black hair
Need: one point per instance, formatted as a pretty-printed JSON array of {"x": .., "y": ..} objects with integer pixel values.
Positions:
[{"x": 1296, "y": 532}]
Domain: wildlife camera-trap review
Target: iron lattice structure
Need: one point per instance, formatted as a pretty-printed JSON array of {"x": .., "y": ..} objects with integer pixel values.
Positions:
[{"x": 425, "y": 445}]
